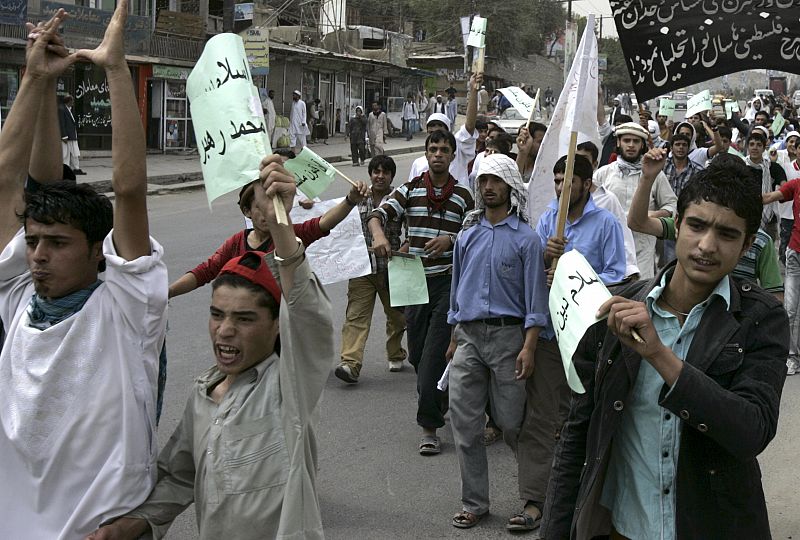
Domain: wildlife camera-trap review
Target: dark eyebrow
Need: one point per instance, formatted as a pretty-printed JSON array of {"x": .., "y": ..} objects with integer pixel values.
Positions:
[
  {"x": 697, "y": 221},
  {"x": 248, "y": 313},
  {"x": 47, "y": 236}
]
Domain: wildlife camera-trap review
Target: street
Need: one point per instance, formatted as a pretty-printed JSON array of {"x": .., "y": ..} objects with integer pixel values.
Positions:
[{"x": 372, "y": 482}]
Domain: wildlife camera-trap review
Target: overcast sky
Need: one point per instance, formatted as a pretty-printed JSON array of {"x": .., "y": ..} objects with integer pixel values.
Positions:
[{"x": 598, "y": 8}]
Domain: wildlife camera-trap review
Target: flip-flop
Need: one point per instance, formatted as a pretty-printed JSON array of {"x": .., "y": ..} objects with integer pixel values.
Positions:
[
  {"x": 491, "y": 436},
  {"x": 467, "y": 520},
  {"x": 429, "y": 445},
  {"x": 529, "y": 525}
]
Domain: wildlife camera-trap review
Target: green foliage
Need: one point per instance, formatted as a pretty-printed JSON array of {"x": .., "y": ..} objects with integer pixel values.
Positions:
[{"x": 516, "y": 27}]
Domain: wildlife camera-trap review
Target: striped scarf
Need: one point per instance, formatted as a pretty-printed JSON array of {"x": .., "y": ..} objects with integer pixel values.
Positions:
[{"x": 44, "y": 313}]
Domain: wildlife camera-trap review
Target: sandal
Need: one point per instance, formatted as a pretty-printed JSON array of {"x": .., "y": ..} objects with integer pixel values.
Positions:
[
  {"x": 491, "y": 436},
  {"x": 529, "y": 523},
  {"x": 467, "y": 520},
  {"x": 429, "y": 445}
]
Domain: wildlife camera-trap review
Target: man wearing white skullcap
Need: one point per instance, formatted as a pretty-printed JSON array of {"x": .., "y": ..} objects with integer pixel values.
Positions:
[
  {"x": 298, "y": 128},
  {"x": 621, "y": 179},
  {"x": 498, "y": 306},
  {"x": 465, "y": 137}
]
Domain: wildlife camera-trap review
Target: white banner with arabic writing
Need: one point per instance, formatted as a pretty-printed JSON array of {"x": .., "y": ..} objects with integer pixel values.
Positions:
[{"x": 341, "y": 255}]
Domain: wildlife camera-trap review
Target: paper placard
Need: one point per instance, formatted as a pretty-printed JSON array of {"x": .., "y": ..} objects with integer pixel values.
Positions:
[
  {"x": 730, "y": 108},
  {"x": 223, "y": 62},
  {"x": 699, "y": 103},
  {"x": 666, "y": 107},
  {"x": 576, "y": 295},
  {"x": 231, "y": 137},
  {"x": 407, "y": 284},
  {"x": 521, "y": 101},
  {"x": 477, "y": 33},
  {"x": 341, "y": 255},
  {"x": 312, "y": 173},
  {"x": 777, "y": 124}
]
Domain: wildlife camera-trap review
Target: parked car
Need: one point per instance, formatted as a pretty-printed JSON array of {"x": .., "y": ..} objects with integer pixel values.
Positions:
[{"x": 510, "y": 120}]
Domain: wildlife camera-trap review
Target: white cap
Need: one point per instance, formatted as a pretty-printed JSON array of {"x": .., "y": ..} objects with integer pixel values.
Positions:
[
  {"x": 439, "y": 117},
  {"x": 631, "y": 128},
  {"x": 297, "y": 92}
]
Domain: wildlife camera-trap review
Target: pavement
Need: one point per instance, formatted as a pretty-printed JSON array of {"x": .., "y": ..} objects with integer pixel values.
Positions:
[{"x": 172, "y": 172}]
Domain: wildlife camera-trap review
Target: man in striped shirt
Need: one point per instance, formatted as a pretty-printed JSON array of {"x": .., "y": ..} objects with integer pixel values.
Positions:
[{"x": 434, "y": 206}]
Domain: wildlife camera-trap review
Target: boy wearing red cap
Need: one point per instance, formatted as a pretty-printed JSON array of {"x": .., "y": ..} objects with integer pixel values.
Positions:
[{"x": 245, "y": 452}]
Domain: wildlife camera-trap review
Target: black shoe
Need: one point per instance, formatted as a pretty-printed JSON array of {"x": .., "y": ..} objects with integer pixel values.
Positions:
[
  {"x": 344, "y": 373},
  {"x": 78, "y": 172}
]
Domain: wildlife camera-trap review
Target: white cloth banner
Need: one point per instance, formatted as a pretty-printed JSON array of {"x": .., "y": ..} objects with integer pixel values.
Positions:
[
  {"x": 341, "y": 255},
  {"x": 521, "y": 101},
  {"x": 576, "y": 295},
  {"x": 571, "y": 114}
]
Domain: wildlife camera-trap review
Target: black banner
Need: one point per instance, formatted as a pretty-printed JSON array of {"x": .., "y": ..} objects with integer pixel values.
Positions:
[
  {"x": 13, "y": 12},
  {"x": 672, "y": 44}
]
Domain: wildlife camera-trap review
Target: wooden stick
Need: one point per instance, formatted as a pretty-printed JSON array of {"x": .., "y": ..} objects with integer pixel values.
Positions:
[
  {"x": 337, "y": 171},
  {"x": 533, "y": 108},
  {"x": 280, "y": 210}
]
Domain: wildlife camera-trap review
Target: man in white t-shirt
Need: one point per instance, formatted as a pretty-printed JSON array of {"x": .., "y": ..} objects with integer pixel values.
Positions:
[
  {"x": 83, "y": 306},
  {"x": 465, "y": 137}
]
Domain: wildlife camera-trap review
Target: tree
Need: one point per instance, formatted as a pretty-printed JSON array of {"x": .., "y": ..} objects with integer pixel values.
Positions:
[
  {"x": 516, "y": 27},
  {"x": 616, "y": 78}
]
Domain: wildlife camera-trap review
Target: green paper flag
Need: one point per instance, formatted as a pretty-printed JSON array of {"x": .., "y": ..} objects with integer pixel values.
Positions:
[
  {"x": 312, "y": 173},
  {"x": 777, "y": 124},
  {"x": 666, "y": 107},
  {"x": 227, "y": 117},
  {"x": 407, "y": 284}
]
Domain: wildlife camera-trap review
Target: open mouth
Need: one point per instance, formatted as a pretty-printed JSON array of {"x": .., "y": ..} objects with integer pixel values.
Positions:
[{"x": 226, "y": 354}]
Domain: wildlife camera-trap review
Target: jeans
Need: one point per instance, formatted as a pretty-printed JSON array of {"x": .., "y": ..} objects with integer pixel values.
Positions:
[
  {"x": 428, "y": 339},
  {"x": 786, "y": 235},
  {"x": 358, "y": 150},
  {"x": 482, "y": 370},
  {"x": 408, "y": 128},
  {"x": 791, "y": 300},
  {"x": 361, "y": 294}
]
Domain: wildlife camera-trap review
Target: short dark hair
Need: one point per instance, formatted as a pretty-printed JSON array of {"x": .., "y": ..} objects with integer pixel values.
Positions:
[
  {"x": 682, "y": 137},
  {"x": 263, "y": 298},
  {"x": 441, "y": 136},
  {"x": 725, "y": 131},
  {"x": 590, "y": 147},
  {"x": 728, "y": 183},
  {"x": 382, "y": 162},
  {"x": 762, "y": 112},
  {"x": 623, "y": 119},
  {"x": 533, "y": 127},
  {"x": 757, "y": 135},
  {"x": 480, "y": 125},
  {"x": 77, "y": 205},
  {"x": 583, "y": 168},
  {"x": 503, "y": 143}
]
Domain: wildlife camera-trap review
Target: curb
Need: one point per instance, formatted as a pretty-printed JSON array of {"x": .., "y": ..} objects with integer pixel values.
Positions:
[{"x": 174, "y": 183}]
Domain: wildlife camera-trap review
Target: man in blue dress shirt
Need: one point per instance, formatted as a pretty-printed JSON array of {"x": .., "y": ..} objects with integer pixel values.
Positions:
[
  {"x": 498, "y": 306},
  {"x": 597, "y": 235}
]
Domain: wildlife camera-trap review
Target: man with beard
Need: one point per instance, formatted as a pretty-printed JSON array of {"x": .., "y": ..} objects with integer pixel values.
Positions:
[
  {"x": 434, "y": 206},
  {"x": 597, "y": 235},
  {"x": 621, "y": 179},
  {"x": 377, "y": 129},
  {"x": 498, "y": 307}
]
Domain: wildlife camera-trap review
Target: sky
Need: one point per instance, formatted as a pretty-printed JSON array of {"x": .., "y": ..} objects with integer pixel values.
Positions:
[{"x": 598, "y": 7}]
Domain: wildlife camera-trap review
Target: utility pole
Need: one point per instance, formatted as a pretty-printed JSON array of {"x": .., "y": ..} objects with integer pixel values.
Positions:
[
  {"x": 601, "y": 26},
  {"x": 569, "y": 10}
]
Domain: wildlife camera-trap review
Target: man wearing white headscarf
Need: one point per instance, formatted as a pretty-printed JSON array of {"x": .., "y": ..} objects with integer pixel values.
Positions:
[{"x": 498, "y": 306}]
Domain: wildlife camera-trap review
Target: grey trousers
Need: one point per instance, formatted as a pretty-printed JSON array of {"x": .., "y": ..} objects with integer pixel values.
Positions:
[
  {"x": 546, "y": 410},
  {"x": 483, "y": 367}
]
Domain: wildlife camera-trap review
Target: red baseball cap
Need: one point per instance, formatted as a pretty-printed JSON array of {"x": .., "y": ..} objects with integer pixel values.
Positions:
[{"x": 255, "y": 270}]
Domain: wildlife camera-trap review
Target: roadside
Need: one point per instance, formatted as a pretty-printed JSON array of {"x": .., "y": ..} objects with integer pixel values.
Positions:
[{"x": 167, "y": 173}]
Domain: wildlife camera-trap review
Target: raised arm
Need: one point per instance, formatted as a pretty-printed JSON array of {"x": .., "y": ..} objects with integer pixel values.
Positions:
[
  {"x": 475, "y": 81},
  {"x": 129, "y": 180},
  {"x": 714, "y": 134},
  {"x": 336, "y": 215},
  {"x": 16, "y": 140},
  {"x": 639, "y": 219}
]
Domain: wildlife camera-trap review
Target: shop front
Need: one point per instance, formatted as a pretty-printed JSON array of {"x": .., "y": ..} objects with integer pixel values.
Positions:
[{"x": 170, "y": 120}]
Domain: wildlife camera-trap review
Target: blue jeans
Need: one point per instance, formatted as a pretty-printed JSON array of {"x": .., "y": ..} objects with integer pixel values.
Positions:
[{"x": 791, "y": 300}]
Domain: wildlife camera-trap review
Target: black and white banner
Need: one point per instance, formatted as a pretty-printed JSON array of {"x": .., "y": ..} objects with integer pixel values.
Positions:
[{"x": 669, "y": 44}]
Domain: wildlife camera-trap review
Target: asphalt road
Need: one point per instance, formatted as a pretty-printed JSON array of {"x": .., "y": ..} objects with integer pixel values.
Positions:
[{"x": 372, "y": 482}]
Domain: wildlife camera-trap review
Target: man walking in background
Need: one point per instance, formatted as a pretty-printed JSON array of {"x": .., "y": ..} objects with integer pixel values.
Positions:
[{"x": 70, "y": 153}]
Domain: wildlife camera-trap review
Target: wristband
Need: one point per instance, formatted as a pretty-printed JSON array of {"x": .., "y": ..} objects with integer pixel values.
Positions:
[{"x": 298, "y": 253}]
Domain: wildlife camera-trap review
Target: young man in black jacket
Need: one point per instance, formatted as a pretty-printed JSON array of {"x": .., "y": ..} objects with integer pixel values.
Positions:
[{"x": 663, "y": 444}]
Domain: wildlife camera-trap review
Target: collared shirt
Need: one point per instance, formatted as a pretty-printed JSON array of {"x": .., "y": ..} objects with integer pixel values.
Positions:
[
  {"x": 639, "y": 488},
  {"x": 393, "y": 228},
  {"x": 678, "y": 179},
  {"x": 597, "y": 235},
  {"x": 661, "y": 198},
  {"x": 605, "y": 199},
  {"x": 249, "y": 463},
  {"x": 465, "y": 152},
  {"x": 498, "y": 271},
  {"x": 411, "y": 200}
]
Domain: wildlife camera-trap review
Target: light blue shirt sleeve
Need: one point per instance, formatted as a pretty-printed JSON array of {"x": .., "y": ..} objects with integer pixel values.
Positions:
[
  {"x": 613, "y": 257},
  {"x": 536, "y": 293},
  {"x": 457, "y": 256}
]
